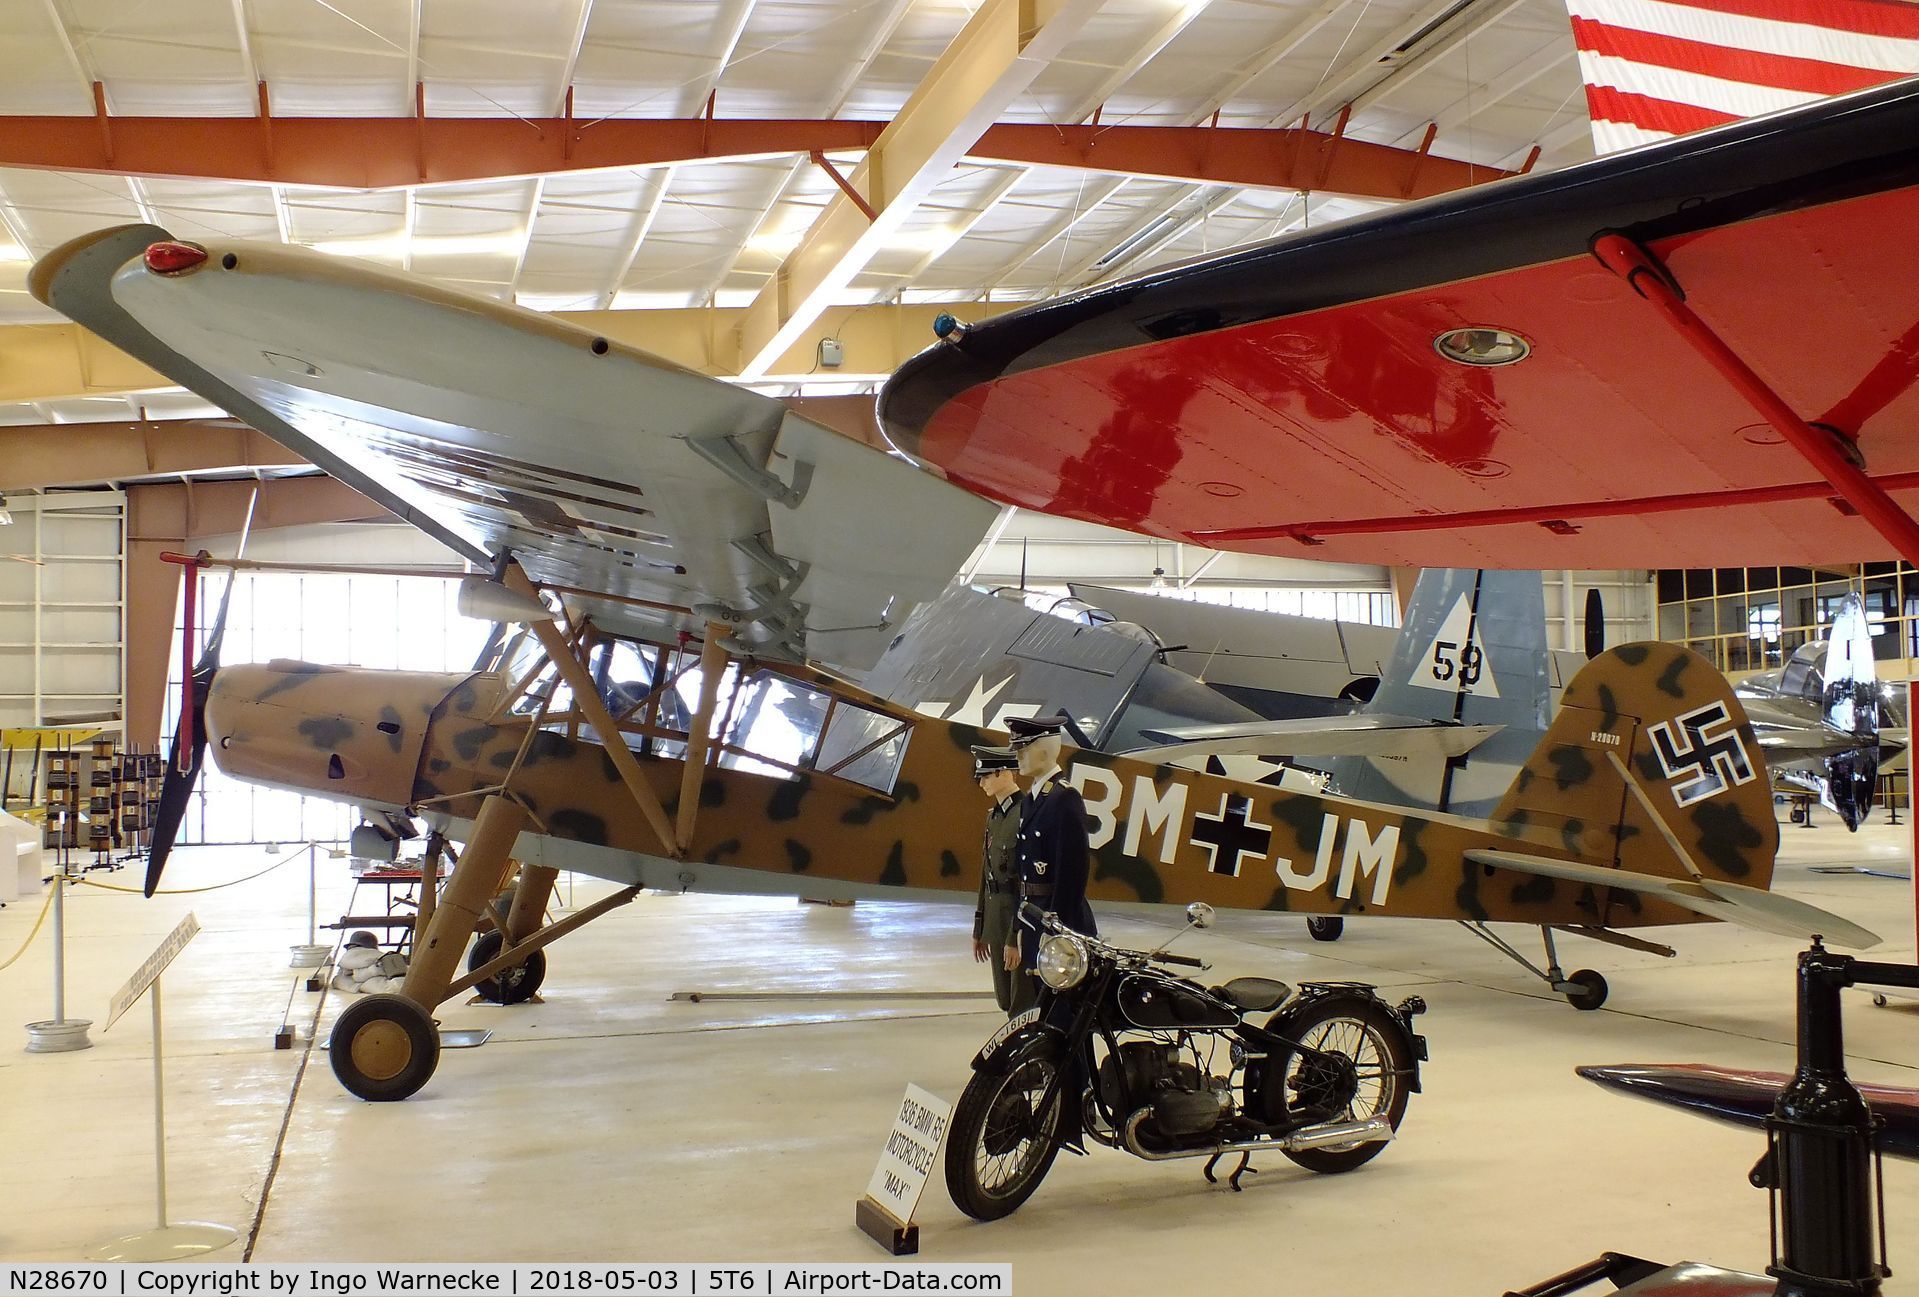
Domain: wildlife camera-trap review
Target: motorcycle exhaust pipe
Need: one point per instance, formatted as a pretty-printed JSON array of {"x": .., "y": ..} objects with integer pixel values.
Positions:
[{"x": 1367, "y": 1130}]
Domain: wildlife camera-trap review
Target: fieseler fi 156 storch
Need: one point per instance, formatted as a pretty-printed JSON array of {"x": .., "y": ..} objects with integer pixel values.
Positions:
[{"x": 617, "y": 504}]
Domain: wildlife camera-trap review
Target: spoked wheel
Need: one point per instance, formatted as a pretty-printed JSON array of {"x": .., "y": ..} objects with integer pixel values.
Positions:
[
  {"x": 1001, "y": 1145},
  {"x": 1325, "y": 927},
  {"x": 514, "y": 985},
  {"x": 1357, "y": 1069},
  {"x": 384, "y": 1047}
]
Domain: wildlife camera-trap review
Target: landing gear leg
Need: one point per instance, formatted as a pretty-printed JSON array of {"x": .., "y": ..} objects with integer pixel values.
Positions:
[
  {"x": 517, "y": 983},
  {"x": 385, "y": 1047},
  {"x": 1583, "y": 989}
]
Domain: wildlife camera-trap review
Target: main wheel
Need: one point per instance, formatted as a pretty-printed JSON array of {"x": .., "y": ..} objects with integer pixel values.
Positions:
[
  {"x": 514, "y": 985},
  {"x": 1001, "y": 1145},
  {"x": 1325, "y": 927},
  {"x": 384, "y": 1047},
  {"x": 1589, "y": 989},
  {"x": 1359, "y": 1069}
]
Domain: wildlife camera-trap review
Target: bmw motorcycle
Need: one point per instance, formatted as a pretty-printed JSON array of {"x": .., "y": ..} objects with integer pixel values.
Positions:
[{"x": 1125, "y": 1053}]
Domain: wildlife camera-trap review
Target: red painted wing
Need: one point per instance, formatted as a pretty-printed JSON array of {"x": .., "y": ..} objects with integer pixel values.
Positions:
[{"x": 1289, "y": 399}]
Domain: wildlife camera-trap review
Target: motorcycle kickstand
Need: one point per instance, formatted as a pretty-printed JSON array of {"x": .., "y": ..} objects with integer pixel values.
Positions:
[{"x": 1233, "y": 1179}]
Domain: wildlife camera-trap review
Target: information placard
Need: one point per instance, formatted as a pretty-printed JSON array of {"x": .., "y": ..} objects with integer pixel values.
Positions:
[
  {"x": 911, "y": 1152},
  {"x": 149, "y": 972}
]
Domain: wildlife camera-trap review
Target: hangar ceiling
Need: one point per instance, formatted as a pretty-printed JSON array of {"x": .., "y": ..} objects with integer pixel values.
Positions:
[{"x": 694, "y": 249}]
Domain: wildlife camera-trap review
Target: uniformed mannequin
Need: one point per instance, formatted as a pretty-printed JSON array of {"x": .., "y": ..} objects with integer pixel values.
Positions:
[
  {"x": 996, "y": 771},
  {"x": 1053, "y": 856}
]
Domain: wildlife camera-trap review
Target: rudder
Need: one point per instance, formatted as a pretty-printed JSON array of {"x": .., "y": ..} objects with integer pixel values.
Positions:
[{"x": 1672, "y": 720}]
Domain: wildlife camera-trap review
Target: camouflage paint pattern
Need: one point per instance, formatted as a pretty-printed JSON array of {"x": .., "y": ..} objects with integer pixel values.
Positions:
[{"x": 1160, "y": 834}]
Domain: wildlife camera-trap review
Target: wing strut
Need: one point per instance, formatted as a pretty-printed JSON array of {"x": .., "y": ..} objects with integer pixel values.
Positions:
[
  {"x": 699, "y": 733},
  {"x": 1831, "y": 452}
]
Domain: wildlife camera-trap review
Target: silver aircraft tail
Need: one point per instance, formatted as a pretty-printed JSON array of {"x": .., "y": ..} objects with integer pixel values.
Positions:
[{"x": 1472, "y": 653}]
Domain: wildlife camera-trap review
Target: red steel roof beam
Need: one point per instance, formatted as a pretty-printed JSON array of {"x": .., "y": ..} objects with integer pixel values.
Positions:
[{"x": 391, "y": 152}]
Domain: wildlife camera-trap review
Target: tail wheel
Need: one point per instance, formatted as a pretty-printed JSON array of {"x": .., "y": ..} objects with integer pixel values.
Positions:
[
  {"x": 514, "y": 985},
  {"x": 1353, "y": 1063},
  {"x": 384, "y": 1047},
  {"x": 1325, "y": 927},
  {"x": 1585, "y": 989},
  {"x": 1001, "y": 1145}
]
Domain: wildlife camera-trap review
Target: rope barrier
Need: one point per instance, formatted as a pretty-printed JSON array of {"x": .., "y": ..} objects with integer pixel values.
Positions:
[
  {"x": 45, "y": 906},
  {"x": 192, "y": 891}
]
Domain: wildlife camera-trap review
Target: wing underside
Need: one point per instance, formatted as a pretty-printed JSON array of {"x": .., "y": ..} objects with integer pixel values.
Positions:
[{"x": 664, "y": 498}]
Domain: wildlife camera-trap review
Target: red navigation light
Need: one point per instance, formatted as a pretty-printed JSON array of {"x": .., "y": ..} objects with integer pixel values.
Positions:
[{"x": 173, "y": 258}]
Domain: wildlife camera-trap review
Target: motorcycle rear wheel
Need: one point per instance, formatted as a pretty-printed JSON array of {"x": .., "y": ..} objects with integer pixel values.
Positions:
[
  {"x": 1000, "y": 1147},
  {"x": 1369, "y": 1082}
]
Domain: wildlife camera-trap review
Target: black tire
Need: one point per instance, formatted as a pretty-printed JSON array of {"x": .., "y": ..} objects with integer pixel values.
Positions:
[
  {"x": 514, "y": 985},
  {"x": 384, "y": 1047},
  {"x": 1325, "y": 927},
  {"x": 1372, "y": 1081},
  {"x": 999, "y": 1148},
  {"x": 1589, "y": 990}
]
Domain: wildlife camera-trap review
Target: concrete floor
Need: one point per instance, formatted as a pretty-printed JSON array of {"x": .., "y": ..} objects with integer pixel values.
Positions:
[{"x": 614, "y": 1123}]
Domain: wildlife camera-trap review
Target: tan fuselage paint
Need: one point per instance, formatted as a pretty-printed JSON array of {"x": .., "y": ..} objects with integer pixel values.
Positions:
[{"x": 1159, "y": 834}]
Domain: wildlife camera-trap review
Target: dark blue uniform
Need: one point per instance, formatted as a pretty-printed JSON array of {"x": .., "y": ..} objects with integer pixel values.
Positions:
[{"x": 1053, "y": 860}]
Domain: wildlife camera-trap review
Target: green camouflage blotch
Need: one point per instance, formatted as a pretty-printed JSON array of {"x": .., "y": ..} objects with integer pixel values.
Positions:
[
  {"x": 1668, "y": 681},
  {"x": 799, "y": 856},
  {"x": 1571, "y": 766},
  {"x": 784, "y": 804},
  {"x": 712, "y": 793},
  {"x": 608, "y": 771},
  {"x": 326, "y": 732},
  {"x": 580, "y": 826},
  {"x": 1650, "y": 771},
  {"x": 1412, "y": 853},
  {"x": 1279, "y": 900},
  {"x": 438, "y": 765},
  {"x": 1306, "y": 816},
  {"x": 1608, "y": 707},
  {"x": 1136, "y": 874},
  {"x": 721, "y": 850},
  {"x": 1533, "y": 890},
  {"x": 464, "y": 699},
  {"x": 1571, "y": 834},
  {"x": 894, "y": 875},
  {"x": 301, "y": 674},
  {"x": 1633, "y": 654},
  {"x": 549, "y": 746},
  {"x": 468, "y": 742},
  {"x": 1725, "y": 836},
  {"x": 1525, "y": 779},
  {"x": 863, "y": 811},
  {"x": 949, "y": 865}
]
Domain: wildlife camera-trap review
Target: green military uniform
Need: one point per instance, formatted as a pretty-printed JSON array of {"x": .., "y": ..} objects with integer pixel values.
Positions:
[{"x": 994, "y": 915}]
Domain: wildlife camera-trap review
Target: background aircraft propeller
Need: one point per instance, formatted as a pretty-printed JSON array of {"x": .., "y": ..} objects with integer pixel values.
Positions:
[{"x": 1595, "y": 624}]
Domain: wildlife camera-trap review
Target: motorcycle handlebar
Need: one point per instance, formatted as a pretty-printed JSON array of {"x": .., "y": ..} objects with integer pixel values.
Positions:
[{"x": 1184, "y": 960}]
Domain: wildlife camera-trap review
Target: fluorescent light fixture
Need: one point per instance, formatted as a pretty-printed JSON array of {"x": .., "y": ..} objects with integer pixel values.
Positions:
[
  {"x": 395, "y": 247},
  {"x": 13, "y": 252}
]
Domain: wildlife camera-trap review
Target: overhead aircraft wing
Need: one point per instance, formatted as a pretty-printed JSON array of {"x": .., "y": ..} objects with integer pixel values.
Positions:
[
  {"x": 1291, "y": 397},
  {"x": 1749, "y": 907},
  {"x": 1364, "y": 735},
  {"x": 496, "y": 430}
]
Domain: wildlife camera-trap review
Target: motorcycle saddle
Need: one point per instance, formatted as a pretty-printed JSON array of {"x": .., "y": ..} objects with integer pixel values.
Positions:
[{"x": 1255, "y": 994}]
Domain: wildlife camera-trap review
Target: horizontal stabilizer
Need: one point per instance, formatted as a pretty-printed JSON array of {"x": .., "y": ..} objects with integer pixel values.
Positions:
[
  {"x": 1334, "y": 736},
  {"x": 1749, "y": 907}
]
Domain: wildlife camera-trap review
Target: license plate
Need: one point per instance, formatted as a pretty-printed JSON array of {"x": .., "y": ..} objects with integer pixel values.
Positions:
[{"x": 1013, "y": 1025}]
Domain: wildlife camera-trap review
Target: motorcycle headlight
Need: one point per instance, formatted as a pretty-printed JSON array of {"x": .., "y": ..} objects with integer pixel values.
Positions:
[{"x": 1062, "y": 961}]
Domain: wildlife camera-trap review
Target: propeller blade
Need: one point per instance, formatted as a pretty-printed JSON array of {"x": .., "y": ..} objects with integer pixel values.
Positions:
[
  {"x": 1595, "y": 624},
  {"x": 177, "y": 792}
]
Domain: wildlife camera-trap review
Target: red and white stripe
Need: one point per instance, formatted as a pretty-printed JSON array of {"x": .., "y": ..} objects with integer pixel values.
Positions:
[{"x": 1658, "y": 68}]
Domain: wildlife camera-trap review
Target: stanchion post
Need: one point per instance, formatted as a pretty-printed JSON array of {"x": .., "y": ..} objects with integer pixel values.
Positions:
[
  {"x": 159, "y": 1108},
  {"x": 312, "y": 954},
  {"x": 60, "y": 1034}
]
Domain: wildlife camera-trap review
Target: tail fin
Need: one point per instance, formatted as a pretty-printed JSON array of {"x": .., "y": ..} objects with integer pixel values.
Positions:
[
  {"x": 1652, "y": 765},
  {"x": 1473, "y": 652},
  {"x": 1849, "y": 703}
]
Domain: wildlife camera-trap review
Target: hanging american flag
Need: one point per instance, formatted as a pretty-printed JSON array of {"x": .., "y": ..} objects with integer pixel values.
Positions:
[{"x": 1658, "y": 68}]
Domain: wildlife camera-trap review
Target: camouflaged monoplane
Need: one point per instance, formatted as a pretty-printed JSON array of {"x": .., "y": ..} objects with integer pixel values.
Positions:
[{"x": 624, "y": 511}]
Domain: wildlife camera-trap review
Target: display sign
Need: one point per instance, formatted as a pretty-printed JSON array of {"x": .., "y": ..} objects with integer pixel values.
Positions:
[
  {"x": 149, "y": 972},
  {"x": 912, "y": 1150}
]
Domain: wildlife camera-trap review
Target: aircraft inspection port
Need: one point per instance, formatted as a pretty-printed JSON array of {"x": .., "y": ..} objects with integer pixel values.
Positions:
[{"x": 617, "y": 1120}]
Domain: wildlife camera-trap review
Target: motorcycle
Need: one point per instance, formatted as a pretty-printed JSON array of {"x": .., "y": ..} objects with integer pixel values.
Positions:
[{"x": 1137, "y": 1058}]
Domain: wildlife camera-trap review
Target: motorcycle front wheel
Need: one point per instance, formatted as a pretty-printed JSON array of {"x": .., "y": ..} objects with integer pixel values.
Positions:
[
  {"x": 1001, "y": 1145},
  {"x": 1358, "y": 1069}
]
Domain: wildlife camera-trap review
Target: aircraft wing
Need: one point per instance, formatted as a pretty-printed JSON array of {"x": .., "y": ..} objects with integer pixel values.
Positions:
[
  {"x": 1364, "y": 735},
  {"x": 496, "y": 429},
  {"x": 1291, "y": 397},
  {"x": 1749, "y": 907}
]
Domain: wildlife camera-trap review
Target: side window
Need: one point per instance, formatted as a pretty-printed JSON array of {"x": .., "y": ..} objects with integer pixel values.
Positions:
[{"x": 783, "y": 727}]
